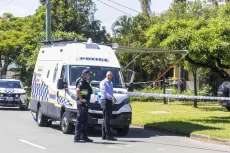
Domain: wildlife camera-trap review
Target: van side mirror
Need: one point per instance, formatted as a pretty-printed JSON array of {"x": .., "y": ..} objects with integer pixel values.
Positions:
[
  {"x": 60, "y": 84},
  {"x": 130, "y": 76}
]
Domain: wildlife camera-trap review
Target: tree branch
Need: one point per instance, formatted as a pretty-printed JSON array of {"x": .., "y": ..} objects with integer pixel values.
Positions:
[
  {"x": 222, "y": 65},
  {"x": 223, "y": 74}
]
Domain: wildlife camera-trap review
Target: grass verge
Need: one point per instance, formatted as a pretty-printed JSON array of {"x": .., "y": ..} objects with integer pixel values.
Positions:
[{"x": 209, "y": 119}]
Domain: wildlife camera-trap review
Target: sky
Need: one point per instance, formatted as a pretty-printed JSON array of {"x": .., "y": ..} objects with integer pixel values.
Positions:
[{"x": 104, "y": 13}]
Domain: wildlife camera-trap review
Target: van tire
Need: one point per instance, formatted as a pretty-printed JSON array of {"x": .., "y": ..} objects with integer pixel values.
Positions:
[
  {"x": 41, "y": 119},
  {"x": 66, "y": 126},
  {"x": 123, "y": 131}
]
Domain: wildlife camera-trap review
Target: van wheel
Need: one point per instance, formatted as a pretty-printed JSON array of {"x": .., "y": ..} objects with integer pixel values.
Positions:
[
  {"x": 123, "y": 131},
  {"x": 41, "y": 119},
  {"x": 66, "y": 126},
  {"x": 228, "y": 108}
]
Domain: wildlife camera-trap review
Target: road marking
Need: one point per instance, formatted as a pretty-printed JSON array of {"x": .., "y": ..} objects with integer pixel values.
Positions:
[
  {"x": 128, "y": 146},
  {"x": 32, "y": 144},
  {"x": 161, "y": 149},
  {"x": 113, "y": 147}
]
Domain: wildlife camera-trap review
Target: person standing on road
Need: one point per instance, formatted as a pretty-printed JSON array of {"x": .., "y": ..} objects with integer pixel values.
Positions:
[
  {"x": 84, "y": 91},
  {"x": 107, "y": 101}
]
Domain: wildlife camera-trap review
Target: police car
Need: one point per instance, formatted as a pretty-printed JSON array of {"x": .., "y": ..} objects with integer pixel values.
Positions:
[{"x": 13, "y": 94}]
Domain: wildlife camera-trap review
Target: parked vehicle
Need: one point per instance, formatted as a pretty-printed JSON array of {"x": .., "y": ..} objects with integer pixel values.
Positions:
[
  {"x": 224, "y": 91},
  {"x": 53, "y": 95}
]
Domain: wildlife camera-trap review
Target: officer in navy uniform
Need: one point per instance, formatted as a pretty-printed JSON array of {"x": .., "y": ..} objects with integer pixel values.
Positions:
[{"x": 84, "y": 91}]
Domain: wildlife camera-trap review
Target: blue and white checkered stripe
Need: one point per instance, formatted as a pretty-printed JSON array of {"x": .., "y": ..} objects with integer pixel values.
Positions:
[
  {"x": 98, "y": 97},
  {"x": 40, "y": 91},
  {"x": 9, "y": 91},
  {"x": 63, "y": 101},
  {"x": 73, "y": 96}
]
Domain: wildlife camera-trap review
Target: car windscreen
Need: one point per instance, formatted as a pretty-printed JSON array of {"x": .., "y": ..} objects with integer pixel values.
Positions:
[
  {"x": 98, "y": 74},
  {"x": 10, "y": 84}
]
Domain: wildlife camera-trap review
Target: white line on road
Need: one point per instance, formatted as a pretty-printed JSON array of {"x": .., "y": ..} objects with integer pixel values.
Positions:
[
  {"x": 32, "y": 144},
  {"x": 113, "y": 147},
  {"x": 161, "y": 149}
]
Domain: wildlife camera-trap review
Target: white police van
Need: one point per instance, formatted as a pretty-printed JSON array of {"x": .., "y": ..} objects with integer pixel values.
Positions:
[
  {"x": 53, "y": 95},
  {"x": 13, "y": 93}
]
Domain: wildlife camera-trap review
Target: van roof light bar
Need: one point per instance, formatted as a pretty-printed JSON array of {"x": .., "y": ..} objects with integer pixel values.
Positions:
[{"x": 75, "y": 40}]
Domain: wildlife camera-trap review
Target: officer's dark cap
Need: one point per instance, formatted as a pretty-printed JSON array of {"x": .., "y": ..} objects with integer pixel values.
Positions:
[{"x": 85, "y": 71}]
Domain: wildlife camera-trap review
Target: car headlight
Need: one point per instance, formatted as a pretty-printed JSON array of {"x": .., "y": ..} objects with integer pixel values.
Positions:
[{"x": 74, "y": 105}]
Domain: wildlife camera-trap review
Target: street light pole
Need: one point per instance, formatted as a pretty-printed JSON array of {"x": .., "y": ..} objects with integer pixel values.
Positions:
[{"x": 48, "y": 21}]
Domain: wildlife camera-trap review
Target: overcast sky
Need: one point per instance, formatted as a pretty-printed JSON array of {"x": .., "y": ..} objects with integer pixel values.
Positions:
[{"x": 104, "y": 13}]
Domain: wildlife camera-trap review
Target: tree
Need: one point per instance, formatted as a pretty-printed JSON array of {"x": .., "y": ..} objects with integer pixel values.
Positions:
[
  {"x": 73, "y": 16},
  {"x": 146, "y": 7},
  {"x": 14, "y": 37},
  {"x": 123, "y": 27},
  {"x": 179, "y": 1}
]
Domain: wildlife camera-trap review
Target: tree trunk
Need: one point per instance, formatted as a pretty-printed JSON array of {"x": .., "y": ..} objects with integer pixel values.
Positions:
[
  {"x": 5, "y": 66},
  {"x": 215, "y": 3},
  {"x": 195, "y": 86},
  {"x": 164, "y": 89}
]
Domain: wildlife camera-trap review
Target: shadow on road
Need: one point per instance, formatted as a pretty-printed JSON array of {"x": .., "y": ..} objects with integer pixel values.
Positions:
[
  {"x": 11, "y": 109},
  {"x": 138, "y": 135},
  {"x": 133, "y": 133}
]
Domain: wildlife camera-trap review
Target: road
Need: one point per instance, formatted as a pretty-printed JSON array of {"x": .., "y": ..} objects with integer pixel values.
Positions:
[{"x": 19, "y": 133}]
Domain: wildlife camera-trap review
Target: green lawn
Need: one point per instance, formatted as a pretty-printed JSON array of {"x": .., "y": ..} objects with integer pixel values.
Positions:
[{"x": 209, "y": 119}]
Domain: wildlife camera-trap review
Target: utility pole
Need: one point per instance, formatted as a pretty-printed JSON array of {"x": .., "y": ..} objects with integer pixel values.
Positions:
[{"x": 48, "y": 21}]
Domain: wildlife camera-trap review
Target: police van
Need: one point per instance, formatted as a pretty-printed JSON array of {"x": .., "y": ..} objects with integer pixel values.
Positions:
[
  {"x": 53, "y": 95},
  {"x": 13, "y": 93}
]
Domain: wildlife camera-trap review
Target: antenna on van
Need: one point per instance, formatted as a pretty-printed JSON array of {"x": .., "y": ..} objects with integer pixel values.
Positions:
[{"x": 89, "y": 41}]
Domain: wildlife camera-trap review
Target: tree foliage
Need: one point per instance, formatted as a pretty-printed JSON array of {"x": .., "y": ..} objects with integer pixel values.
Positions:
[
  {"x": 20, "y": 37},
  {"x": 198, "y": 27}
]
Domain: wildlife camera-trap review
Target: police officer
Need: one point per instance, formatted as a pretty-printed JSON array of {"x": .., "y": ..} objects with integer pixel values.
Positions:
[{"x": 84, "y": 90}]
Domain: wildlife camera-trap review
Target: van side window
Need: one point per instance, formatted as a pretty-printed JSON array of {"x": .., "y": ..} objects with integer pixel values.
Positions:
[{"x": 64, "y": 73}]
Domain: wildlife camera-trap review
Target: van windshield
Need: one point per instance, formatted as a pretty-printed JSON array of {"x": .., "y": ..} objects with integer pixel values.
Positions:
[{"x": 98, "y": 74}]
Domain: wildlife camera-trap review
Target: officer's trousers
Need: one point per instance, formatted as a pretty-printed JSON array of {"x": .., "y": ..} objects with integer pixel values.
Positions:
[
  {"x": 107, "y": 108},
  {"x": 81, "y": 122}
]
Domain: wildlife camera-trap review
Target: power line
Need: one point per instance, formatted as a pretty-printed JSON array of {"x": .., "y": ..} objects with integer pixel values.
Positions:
[
  {"x": 114, "y": 8},
  {"x": 6, "y": 2},
  {"x": 124, "y": 6}
]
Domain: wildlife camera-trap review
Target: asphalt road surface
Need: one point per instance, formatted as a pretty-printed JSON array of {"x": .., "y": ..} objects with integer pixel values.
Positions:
[{"x": 19, "y": 133}]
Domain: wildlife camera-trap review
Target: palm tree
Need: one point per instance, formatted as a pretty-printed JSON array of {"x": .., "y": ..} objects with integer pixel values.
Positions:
[
  {"x": 178, "y": 1},
  {"x": 146, "y": 6},
  {"x": 122, "y": 27}
]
